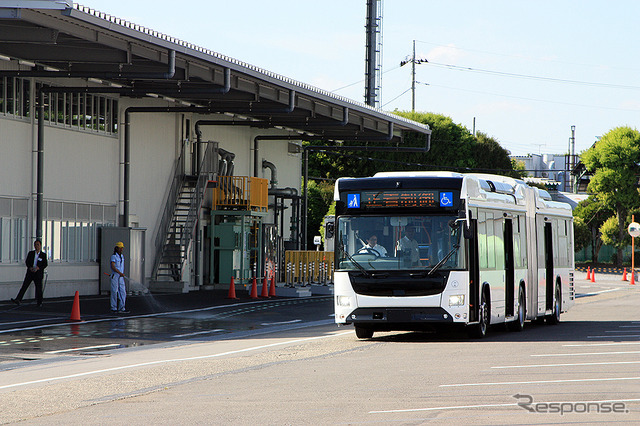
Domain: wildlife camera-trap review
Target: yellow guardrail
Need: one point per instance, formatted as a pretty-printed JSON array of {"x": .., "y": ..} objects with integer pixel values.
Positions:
[
  {"x": 241, "y": 193},
  {"x": 308, "y": 267}
]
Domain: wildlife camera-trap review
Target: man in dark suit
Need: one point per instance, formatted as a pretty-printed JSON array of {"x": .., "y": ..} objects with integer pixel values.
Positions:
[{"x": 36, "y": 263}]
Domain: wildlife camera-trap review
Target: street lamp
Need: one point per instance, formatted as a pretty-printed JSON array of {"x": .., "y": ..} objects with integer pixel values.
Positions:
[{"x": 413, "y": 61}]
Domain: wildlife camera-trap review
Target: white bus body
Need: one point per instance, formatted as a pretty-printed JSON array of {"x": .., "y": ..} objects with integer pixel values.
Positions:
[{"x": 485, "y": 249}]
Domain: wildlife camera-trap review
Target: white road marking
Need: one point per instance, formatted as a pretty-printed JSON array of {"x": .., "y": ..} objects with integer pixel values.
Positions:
[
  {"x": 171, "y": 360},
  {"x": 282, "y": 322},
  {"x": 603, "y": 344},
  {"x": 609, "y": 336},
  {"x": 199, "y": 332},
  {"x": 593, "y": 293},
  {"x": 567, "y": 365},
  {"x": 453, "y": 407},
  {"x": 590, "y": 353},
  {"x": 534, "y": 382},
  {"x": 112, "y": 345},
  {"x": 458, "y": 407}
]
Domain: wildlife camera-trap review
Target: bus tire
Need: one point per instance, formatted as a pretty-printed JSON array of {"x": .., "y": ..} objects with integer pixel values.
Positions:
[
  {"x": 554, "y": 318},
  {"x": 363, "y": 333},
  {"x": 518, "y": 324},
  {"x": 479, "y": 330}
]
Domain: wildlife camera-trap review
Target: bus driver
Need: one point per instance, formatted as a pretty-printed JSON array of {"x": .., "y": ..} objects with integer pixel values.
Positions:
[{"x": 373, "y": 246}]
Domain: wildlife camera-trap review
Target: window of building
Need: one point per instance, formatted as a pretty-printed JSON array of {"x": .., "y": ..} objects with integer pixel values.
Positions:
[
  {"x": 81, "y": 111},
  {"x": 15, "y": 96},
  {"x": 13, "y": 230},
  {"x": 70, "y": 233}
]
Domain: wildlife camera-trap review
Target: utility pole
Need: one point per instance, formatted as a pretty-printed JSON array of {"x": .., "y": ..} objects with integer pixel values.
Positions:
[
  {"x": 572, "y": 156},
  {"x": 413, "y": 61},
  {"x": 413, "y": 78}
]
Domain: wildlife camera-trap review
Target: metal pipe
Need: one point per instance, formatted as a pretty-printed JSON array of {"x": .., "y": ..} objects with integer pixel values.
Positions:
[
  {"x": 126, "y": 163},
  {"x": 305, "y": 199},
  {"x": 171, "y": 71},
  {"x": 288, "y": 192},
  {"x": 40, "y": 167},
  {"x": 274, "y": 172}
]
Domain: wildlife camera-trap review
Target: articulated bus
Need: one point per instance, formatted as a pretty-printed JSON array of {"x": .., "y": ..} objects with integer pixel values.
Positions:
[{"x": 418, "y": 250}]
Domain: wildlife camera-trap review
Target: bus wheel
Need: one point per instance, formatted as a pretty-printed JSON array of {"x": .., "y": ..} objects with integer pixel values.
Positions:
[
  {"x": 364, "y": 333},
  {"x": 518, "y": 324},
  {"x": 554, "y": 318},
  {"x": 479, "y": 330}
]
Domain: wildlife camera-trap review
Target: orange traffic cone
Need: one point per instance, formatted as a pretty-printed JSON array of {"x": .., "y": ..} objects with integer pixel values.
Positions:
[
  {"x": 254, "y": 289},
  {"x": 624, "y": 275},
  {"x": 75, "y": 309},
  {"x": 588, "y": 273},
  {"x": 265, "y": 288},
  {"x": 232, "y": 290},
  {"x": 593, "y": 276},
  {"x": 272, "y": 287},
  {"x": 633, "y": 279}
]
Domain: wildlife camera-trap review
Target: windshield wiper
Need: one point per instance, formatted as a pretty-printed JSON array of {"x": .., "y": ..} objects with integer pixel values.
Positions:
[
  {"x": 444, "y": 259},
  {"x": 357, "y": 265}
]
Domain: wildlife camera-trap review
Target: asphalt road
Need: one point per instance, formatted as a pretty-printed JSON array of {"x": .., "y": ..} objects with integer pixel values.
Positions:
[{"x": 584, "y": 370}]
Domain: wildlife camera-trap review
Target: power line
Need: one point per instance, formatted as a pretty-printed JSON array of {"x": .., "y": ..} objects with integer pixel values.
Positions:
[
  {"x": 388, "y": 102},
  {"x": 533, "y": 77},
  {"x": 362, "y": 81},
  {"x": 450, "y": 46},
  {"x": 527, "y": 99}
]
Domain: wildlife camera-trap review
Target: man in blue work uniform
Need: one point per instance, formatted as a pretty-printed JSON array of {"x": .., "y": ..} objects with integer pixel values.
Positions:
[{"x": 118, "y": 288}]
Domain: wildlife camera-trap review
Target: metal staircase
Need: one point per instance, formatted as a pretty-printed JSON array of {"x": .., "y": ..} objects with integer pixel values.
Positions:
[{"x": 180, "y": 217}]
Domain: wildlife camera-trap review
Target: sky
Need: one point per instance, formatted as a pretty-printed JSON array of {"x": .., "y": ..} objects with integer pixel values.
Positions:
[{"x": 525, "y": 71}]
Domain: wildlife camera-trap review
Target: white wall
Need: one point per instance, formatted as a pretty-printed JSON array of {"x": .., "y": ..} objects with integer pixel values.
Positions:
[
  {"x": 16, "y": 158},
  {"x": 86, "y": 167}
]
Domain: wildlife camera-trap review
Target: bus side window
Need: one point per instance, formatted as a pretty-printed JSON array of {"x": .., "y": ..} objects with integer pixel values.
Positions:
[
  {"x": 482, "y": 240},
  {"x": 491, "y": 242},
  {"x": 498, "y": 234}
]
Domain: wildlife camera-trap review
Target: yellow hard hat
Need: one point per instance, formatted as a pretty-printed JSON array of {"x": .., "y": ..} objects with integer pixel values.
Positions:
[{"x": 120, "y": 244}]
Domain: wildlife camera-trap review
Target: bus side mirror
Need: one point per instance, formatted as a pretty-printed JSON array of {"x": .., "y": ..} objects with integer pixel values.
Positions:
[
  {"x": 466, "y": 231},
  {"x": 462, "y": 222}
]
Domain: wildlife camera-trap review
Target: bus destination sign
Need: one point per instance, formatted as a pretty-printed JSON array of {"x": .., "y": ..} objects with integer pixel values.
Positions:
[{"x": 400, "y": 198}]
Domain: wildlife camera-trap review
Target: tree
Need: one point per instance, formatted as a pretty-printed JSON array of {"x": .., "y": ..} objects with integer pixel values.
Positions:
[
  {"x": 453, "y": 147},
  {"x": 320, "y": 198},
  {"x": 589, "y": 215},
  {"x": 614, "y": 161}
]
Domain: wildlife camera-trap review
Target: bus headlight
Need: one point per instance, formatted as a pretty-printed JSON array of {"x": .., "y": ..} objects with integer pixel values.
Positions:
[
  {"x": 456, "y": 300},
  {"x": 343, "y": 301}
]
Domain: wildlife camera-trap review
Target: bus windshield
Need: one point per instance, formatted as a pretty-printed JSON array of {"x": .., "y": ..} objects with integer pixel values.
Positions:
[{"x": 399, "y": 242}]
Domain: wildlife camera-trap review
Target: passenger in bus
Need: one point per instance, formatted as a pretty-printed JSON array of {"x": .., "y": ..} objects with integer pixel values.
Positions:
[
  {"x": 408, "y": 247},
  {"x": 373, "y": 246}
]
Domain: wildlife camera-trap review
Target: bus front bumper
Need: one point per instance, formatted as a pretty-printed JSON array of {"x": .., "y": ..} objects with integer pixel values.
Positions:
[{"x": 392, "y": 317}]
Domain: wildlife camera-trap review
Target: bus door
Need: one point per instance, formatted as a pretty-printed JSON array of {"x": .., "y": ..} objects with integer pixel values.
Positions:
[
  {"x": 508, "y": 268},
  {"x": 548, "y": 264},
  {"x": 474, "y": 273}
]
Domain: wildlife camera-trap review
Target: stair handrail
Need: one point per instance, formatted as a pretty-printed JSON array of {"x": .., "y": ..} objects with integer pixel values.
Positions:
[
  {"x": 207, "y": 171},
  {"x": 167, "y": 214}
]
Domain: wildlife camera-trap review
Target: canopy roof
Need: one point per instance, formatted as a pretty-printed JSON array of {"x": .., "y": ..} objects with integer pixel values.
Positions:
[{"x": 55, "y": 40}]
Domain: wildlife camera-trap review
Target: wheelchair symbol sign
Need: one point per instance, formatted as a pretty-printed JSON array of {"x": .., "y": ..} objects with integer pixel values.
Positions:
[
  {"x": 353, "y": 201},
  {"x": 446, "y": 199}
]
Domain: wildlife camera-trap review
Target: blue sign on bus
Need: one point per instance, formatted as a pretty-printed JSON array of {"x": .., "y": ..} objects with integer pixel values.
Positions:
[
  {"x": 353, "y": 201},
  {"x": 446, "y": 199}
]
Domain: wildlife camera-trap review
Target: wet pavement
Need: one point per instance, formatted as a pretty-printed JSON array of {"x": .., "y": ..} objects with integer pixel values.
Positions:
[{"x": 30, "y": 332}]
